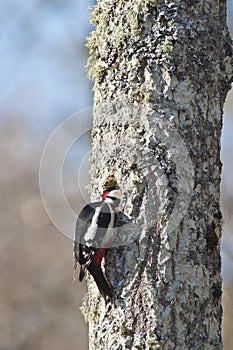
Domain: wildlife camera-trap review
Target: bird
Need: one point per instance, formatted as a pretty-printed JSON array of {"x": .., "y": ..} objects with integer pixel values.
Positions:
[{"x": 95, "y": 230}]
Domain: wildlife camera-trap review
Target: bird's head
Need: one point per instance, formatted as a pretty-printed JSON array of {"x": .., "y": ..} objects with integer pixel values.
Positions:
[{"x": 112, "y": 197}]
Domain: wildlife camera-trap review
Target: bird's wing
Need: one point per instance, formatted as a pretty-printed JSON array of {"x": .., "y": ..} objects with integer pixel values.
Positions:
[{"x": 82, "y": 225}]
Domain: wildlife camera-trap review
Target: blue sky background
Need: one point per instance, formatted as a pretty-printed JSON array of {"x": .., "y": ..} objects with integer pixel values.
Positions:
[{"x": 42, "y": 74}]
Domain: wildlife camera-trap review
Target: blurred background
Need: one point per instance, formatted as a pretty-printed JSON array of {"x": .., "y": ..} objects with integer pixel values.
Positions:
[{"x": 42, "y": 82}]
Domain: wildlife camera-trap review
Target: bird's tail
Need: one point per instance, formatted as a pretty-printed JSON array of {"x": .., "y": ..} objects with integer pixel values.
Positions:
[{"x": 101, "y": 282}]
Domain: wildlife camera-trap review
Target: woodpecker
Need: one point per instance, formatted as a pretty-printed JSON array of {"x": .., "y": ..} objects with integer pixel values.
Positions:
[{"x": 95, "y": 229}]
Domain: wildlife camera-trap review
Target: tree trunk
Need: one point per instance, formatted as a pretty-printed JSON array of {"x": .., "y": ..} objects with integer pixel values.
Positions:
[{"x": 161, "y": 72}]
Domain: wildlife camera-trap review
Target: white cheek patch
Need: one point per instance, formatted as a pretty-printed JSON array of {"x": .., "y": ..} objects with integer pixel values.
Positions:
[
  {"x": 92, "y": 229},
  {"x": 109, "y": 200}
]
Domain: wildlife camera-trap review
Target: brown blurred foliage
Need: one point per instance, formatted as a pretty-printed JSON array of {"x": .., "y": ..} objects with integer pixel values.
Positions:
[
  {"x": 39, "y": 304},
  {"x": 228, "y": 316}
]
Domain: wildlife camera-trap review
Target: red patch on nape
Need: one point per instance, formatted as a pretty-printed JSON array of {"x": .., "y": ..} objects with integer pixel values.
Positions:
[{"x": 105, "y": 193}]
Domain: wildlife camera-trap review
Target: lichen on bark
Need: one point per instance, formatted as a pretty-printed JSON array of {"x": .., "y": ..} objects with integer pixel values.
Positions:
[{"x": 161, "y": 71}]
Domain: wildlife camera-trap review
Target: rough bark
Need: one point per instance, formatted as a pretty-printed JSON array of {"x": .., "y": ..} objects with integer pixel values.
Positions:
[{"x": 161, "y": 71}]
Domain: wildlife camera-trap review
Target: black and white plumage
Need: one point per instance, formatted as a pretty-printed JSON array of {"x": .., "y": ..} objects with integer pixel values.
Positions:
[{"x": 95, "y": 229}]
